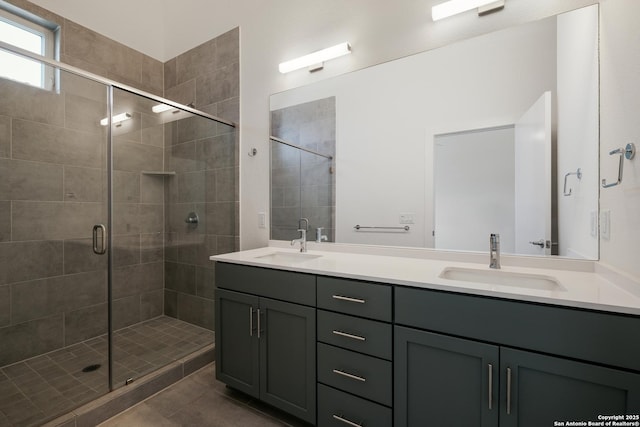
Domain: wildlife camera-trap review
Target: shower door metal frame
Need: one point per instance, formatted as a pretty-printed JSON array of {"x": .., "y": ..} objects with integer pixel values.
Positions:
[{"x": 110, "y": 85}]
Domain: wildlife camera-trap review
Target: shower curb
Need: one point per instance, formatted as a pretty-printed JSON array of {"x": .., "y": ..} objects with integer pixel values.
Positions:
[{"x": 111, "y": 404}]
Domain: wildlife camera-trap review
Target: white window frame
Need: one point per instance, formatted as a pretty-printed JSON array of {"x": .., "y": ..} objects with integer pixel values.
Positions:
[{"x": 49, "y": 31}]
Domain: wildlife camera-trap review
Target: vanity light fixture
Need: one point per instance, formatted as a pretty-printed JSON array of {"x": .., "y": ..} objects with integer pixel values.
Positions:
[
  {"x": 161, "y": 108},
  {"x": 453, "y": 7},
  {"x": 118, "y": 118},
  {"x": 315, "y": 60}
]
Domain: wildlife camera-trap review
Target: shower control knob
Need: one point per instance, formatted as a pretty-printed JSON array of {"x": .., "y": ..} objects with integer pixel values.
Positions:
[{"x": 192, "y": 218}]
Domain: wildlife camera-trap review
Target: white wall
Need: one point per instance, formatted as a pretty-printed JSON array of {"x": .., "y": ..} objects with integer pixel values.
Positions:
[
  {"x": 578, "y": 130},
  {"x": 620, "y": 124},
  {"x": 381, "y": 30}
]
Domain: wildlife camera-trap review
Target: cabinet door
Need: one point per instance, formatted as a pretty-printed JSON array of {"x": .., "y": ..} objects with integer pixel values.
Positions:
[
  {"x": 237, "y": 362},
  {"x": 544, "y": 389},
  {"x": 288, "y": 357},
  {"x": 444, "y": 381}
]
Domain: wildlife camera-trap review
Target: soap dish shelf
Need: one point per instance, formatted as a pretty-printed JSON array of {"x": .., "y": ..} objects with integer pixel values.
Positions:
[{"x": 158, "y": 173}]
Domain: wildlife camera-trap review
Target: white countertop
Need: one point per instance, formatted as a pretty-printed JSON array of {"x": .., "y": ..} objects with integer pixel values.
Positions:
[{"x": 598, "y": 289}]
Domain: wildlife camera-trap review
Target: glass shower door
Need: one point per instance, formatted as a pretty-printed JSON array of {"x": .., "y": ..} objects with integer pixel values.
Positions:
[
  {"x": 53, "y": 269},
  {"x": 173, "y": 207}
]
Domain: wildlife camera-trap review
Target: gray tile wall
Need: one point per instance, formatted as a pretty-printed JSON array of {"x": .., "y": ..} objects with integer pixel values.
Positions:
[
  {"x": 204, "y": 156},
  {"x": 52, "y": 287},
  {"x": 138, "y": 206},
  {"x": 52, "y": 191},
  {"x": 302, "y": 184}
]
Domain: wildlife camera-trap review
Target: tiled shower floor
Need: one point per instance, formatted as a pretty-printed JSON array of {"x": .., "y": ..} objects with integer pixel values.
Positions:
[{"x": 39, "y": 389}]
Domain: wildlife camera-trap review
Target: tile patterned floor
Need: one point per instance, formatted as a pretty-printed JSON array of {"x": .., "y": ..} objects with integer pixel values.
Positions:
[
  {"x": 200, "y": 401},
  {"x": 39, "y": 389}
]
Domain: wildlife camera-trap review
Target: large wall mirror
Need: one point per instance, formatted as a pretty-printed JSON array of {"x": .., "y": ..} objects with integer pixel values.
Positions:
[{"x": 494, "y": 134}]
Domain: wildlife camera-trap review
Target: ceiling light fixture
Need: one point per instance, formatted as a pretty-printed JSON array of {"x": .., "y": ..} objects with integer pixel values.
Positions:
[
  {"x": 116, "y": 119},
  {"x": 160, "y": 108},
  {"x": 315, "y": 60},
  {"x": 453, "y": 7}
]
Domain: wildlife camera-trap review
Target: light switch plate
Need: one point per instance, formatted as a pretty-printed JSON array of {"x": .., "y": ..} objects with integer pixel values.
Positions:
[
  {"x": 605, "y": 225},
  {"x": 407, "y": 218},
  {"x": 594, "y": 224},
  {"x": 262, "y": 220}
]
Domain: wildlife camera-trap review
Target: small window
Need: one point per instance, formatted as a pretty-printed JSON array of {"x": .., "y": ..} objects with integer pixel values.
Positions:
[{"x": 34, "y": 34}]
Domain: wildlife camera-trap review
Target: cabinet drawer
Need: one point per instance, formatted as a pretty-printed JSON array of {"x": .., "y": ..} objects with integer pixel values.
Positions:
[
  {"x": 356, "y": 373},
  {"x": 288, "y": 286},
  {"x": 353, "y": 333},
  {"x": 363, "y": 299},
  {"x": 338, "y": 409}
]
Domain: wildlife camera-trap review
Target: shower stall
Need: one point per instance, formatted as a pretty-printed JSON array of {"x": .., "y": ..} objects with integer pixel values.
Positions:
[{"x": 111, "y": 202}]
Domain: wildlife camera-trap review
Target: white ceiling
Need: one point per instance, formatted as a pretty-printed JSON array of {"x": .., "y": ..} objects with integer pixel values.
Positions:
[{"x": 161, "y": 29}]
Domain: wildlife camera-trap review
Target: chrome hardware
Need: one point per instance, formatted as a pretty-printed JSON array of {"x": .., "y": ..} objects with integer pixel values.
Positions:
[
  {"x": 258, "y": 310},
  {"x": 348, "y": 375},
  {"x": 360, "y": 227},
  {"x": 250, "y": 321},
  {"x": 102, "y": 249},
  {"x": 490, "y": 386},
  {"x": 344, "y": 334},
  {"x": 625, "y": 153},
  {"x": 578, "y": 173},
  {"x": 540, "y": 243},
  {"x": 303, "y": 235},
  {"x": 192, "y": 218},
  {"x": 282, "y": 141},
  {"x": 319, "y": 236},
  {"x": 494, "y": 251},
  {"x": 508, "y": 391},
  {"x": 346, "y": 421},
  {"x": 302, "y": 240},
  {"x": 348, "y": 299}
]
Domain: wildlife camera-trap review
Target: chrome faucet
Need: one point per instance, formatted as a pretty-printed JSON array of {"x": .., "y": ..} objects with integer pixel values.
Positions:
[
  {"x": 319, "y": 236},
  {"x": 494, "y": 251},
  {"x": 303, "y": 235}
]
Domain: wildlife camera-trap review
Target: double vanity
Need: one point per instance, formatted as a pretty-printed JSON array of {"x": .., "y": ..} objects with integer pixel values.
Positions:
[{"x": 352, "y": 339}]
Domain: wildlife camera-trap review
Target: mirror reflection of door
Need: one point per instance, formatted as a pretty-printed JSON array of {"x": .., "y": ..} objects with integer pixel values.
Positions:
[
  {"x": 474, "y": 189},
  {"x": 533, "y": 179},
  {"x": 493, "y": 180}
]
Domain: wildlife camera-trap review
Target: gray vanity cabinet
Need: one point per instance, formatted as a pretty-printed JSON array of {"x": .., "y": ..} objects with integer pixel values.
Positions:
[
  {"x": 444, "y": 381},
  {"x": 544, "y": 389},
  {"x": 266, "y": 347},
  {"x": 238, "y": 365},
  {"x": 454, "y": 362},
  {"x": 448, "y": 381},
  {"x": 355, "y": 368}
]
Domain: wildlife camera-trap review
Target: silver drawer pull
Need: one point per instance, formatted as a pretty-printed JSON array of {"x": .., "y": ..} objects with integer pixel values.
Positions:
[
  {"x": 354, "y": 337},
  {"x": 490, "y": 366},
  {"x": 348, "y": 375},
  {"x": 346, "y": 421},
  {"x": 508, "y": 391},
  {"x": 349, "y": 299}
]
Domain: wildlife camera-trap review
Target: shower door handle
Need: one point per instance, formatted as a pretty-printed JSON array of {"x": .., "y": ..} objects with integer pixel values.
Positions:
[{"x": 99, "y": 243}]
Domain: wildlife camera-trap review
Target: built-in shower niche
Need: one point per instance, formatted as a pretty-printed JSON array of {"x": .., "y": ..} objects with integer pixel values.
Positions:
[{"x": 303, "y": 179}]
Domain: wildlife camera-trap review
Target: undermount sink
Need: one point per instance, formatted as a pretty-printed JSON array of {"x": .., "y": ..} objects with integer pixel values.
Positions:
[
  {"x": 503, "y": 278},
  {"x": 288, "y": 257}
]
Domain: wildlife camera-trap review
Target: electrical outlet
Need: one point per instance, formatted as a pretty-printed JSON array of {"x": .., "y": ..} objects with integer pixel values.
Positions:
[
  {"x": 407, "y": 218},
  {"x": 605, "y": 225},
  {"x": 262, "y": 220}
]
